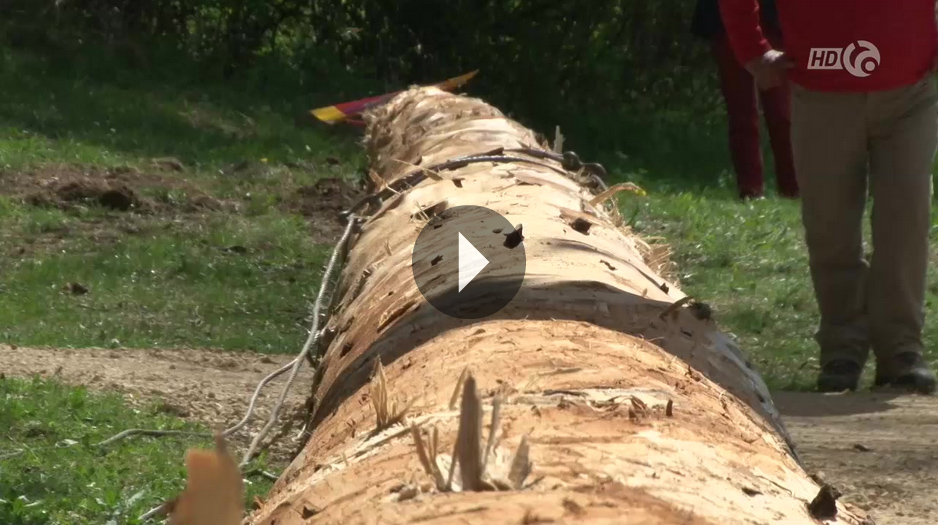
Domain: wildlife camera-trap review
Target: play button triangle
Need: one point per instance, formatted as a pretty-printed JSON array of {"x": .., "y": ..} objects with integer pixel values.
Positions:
[
  {"x": 468, "y": 262},
  {"x": 471, "y": 262}
]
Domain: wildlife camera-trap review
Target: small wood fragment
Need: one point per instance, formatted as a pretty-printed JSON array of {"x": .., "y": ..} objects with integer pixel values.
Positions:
[
  {"x": 214, "y": 489},
  {"x": 824, "y": 505},
  {"x": 558, "y": 140},
  {"x": 639, "y": 405},
  {"x": 513, "y": 239},
  {"x": 625, "y": 186},
  {"x": 581, "y": 225},
  {"x": 459, "y": 383},
  {"x": 469, "y": 437},
  {"x": 520, "y": 464},
  {"x": 674, "y": 307}
]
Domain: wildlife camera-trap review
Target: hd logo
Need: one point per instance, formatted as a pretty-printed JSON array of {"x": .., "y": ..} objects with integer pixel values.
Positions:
[{"x": 860, "y": 65}]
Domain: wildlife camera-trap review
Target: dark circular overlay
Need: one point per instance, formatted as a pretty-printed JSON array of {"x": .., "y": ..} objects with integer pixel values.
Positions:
[{"x": 472, "y": 248}]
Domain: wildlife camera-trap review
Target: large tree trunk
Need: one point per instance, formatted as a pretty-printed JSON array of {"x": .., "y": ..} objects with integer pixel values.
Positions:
[{"x": 633, "y": 412}]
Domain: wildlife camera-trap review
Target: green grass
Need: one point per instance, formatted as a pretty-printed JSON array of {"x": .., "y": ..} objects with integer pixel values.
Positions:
[
  {"x": 237, "y": 276},
  {"x": 170, "y": 283},
  {"x": 61, "y": 477},
  {"x": 165, "y": 278},
  {"x": 51, "y": 112},
  {"x": 749, "y": 262},
  {"x": 231, "y": 282},
  {"x": 242, "y": 277}
]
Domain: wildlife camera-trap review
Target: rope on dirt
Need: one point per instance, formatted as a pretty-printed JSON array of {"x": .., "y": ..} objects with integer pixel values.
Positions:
[
  {"x": 250, "y": 411},
  {"x": 270, "y": 377},
  {"x": 294, "y": 365},
  {"x": 313, "y": 338},
  {"x": 153, "y": 433},
  {"x": 237, "y": 426}
]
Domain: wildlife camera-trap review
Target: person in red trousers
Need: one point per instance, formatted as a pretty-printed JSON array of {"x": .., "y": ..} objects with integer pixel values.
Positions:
[
  {"x": 864, "y": 123},
  {"x": 740, "y": 93}
]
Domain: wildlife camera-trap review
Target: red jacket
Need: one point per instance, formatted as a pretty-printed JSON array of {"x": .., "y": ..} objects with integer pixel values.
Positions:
[{"x": 843, "y": 45}]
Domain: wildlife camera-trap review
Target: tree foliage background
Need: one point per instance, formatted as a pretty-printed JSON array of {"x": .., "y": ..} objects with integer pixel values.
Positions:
[{"x": 580, "y": 63}]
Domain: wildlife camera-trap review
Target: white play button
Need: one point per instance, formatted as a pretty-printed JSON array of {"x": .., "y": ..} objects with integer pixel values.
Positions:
[
  {"x": 471, "y": 262},
  {"x": 468, "y": 261}
]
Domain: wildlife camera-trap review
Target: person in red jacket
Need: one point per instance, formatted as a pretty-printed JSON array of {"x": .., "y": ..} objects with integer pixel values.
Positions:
[
  {"x": 742, "y": 109},
  {"x": 864, "y": 111}
]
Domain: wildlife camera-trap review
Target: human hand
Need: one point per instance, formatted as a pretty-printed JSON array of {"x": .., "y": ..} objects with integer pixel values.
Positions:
[{"x": 768, "y": 70}]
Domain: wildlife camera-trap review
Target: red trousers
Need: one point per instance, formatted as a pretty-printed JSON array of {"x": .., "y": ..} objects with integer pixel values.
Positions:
[{"x": 740, "y": 92}]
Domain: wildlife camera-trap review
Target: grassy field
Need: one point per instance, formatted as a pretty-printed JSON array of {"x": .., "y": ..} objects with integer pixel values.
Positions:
[
  {"x": 230, "y": 282},
  {"x": 52, "y": 471},
  {"x": 749, "y": 263},
  {"x": 213, "y": 252},
  {"x": 218, "y": 236},
  {"x": 217, "y": 240}
]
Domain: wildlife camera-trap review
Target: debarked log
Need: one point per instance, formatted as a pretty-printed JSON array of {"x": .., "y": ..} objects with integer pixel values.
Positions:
[{"x": 611, "y": 399}]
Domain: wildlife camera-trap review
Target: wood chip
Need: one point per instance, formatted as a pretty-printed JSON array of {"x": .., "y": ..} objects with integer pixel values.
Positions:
[
  {"x": 469, "y": 437},
  {"x": 513, "y": 239},
  {"x": 824, "y": 505}
]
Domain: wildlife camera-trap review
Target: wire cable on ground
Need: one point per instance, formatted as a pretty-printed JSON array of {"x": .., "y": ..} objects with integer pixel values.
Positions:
[
  {"x": 313, "y": 337},
  {"x": 293, "y": 366},
  {"x": 231, "y": 430},
  {"x": 154, "y": 433}
]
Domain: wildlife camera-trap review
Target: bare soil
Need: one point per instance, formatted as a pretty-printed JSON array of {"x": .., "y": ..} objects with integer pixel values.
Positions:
[
  {"x": 138, "y": 201},
  {"x": 142, "y": 199},
  {"x": 127, "y": 188},
  {"x": 65, "y": 186},
  {"x": 321, "y": 203},
  {"x": 203, "y": 386},
  {"x": 879, "y": 449}
]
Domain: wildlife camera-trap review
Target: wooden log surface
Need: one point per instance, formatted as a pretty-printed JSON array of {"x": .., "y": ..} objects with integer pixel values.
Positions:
[{"x": 630, "y": 416}]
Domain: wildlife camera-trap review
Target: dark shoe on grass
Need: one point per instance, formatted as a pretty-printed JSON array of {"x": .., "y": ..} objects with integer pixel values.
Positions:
[
  {"x": 839, "y": 375},
  {"x": 907, "y": 371}
]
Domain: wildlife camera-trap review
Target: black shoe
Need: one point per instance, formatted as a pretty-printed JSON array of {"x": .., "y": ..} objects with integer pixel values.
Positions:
[
  {"x": 839, "y": 375},
  {"x": 908, "y": 371}
]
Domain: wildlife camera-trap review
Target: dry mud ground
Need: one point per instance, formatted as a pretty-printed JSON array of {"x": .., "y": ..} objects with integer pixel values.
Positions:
[{"x": 879, "y": 449}]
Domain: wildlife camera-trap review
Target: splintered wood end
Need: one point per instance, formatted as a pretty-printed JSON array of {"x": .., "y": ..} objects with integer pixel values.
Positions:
[{"x": 214, "y": 493}]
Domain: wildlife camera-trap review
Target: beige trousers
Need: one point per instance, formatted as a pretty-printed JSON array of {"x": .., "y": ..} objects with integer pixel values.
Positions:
[{"x": 841, "y": 142}]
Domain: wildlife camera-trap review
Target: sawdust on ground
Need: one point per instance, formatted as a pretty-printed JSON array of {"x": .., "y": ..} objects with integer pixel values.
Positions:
[{"x": 879, "y": 449}]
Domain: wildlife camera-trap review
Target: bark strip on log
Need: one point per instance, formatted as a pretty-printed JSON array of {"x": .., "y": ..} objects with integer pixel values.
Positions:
[{"x": 629, "y": 416}]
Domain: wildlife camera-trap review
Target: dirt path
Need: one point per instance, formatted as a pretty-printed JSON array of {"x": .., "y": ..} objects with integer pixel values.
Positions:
[
  {"x": 199, "y": 385},
  {"x": 880, "y": 450}
]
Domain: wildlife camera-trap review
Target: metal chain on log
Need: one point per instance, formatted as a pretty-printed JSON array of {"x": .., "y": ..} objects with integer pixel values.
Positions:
[{"x": 606, "y": 397}]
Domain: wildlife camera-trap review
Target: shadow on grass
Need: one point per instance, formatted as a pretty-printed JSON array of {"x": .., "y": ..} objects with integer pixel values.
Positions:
[{"x": 46, "y": 107}]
